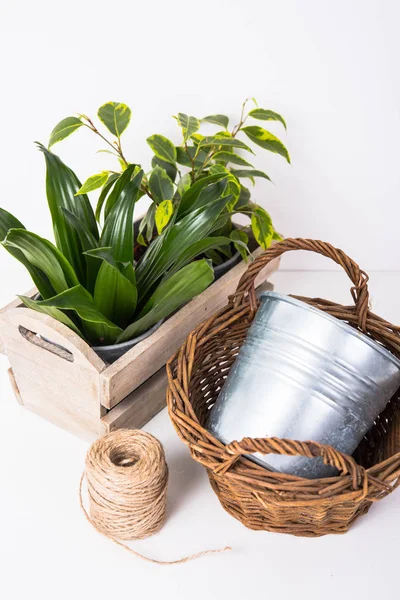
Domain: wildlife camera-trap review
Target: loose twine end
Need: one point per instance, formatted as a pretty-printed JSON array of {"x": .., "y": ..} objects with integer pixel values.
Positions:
[{"x": 127, "y": 476}]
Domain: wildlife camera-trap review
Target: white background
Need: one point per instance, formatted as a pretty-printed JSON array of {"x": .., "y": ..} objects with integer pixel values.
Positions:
[{"x": 331, "y": 68}]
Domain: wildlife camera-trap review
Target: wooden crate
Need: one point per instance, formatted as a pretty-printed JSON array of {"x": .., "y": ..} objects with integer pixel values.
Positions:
[{"x": 57, "y": 375}]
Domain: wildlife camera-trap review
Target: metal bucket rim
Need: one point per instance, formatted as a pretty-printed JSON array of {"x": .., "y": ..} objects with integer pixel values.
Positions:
[{"x": 340, "y": 324}]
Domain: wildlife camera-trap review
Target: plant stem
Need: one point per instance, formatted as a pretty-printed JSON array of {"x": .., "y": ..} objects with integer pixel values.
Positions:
[
  {"x": 237, "y": 127},
  {"x": 192, "y": 173},
  {"x": 90, "y": 125}
]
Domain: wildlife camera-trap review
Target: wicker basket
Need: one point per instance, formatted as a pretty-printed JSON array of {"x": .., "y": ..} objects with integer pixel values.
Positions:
[{"x": 259, "y": 498}]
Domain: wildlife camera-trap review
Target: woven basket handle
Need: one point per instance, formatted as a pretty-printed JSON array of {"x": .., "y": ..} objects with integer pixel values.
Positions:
[
  {"x": 345, "y": 464},
  {"x": 359, "y": 291}
]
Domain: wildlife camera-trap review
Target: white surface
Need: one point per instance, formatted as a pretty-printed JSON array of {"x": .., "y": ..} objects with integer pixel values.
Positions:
[
  {"x": 331, "y": 68},
  {"x": 48, "y": 550}
]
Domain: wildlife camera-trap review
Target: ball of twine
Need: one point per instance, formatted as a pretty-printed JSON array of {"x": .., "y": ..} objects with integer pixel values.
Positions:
[{"x": 127, "y": 477}]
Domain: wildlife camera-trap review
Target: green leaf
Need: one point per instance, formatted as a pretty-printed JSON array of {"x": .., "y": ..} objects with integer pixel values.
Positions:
[
  {"x": 45, "y": 256},
  {"x": 88, "y": 242},
  {"x": 7, "y": 222},
  {"x": 190, "y": 196},
  {"x": 115, "y": 292},
  {"x": 160, "y": 185},
  {"x": 104, "y": 193},
  {"x": 266, "y": 140},
  {"x": 147, "y": 223},
  {"x": 184, "y": 184},
  {"x": 189, "y": 125},
  {"x": 231, "y": 157},
  {"x": 197, "y": 138},
  {"x": 182, "y": 157},
  {"x": 63, "y": 129},
  {"x": 244, "y": 197},
  {"x": 168, "y": 167},
  {"x": 97, "y": 328},
  {"x": 163, "y": 215},
  {"x": 93, "y": 183},
  {"x": 118, "y": 227},
  {"x": 61, "y": 187},
  {"x": 225, "y": 141},
  {"x": 221, "y": 120},
  {"x": 277, "y": 236},
  {"x": 266, "y": 115},
  {"x": 166, "y": 248},
  {"x": 115, "y": 116},
  {"x": 172, "y": 293},
  {"x": 249, "y": 173},
  {"x": 55, "y": 313},
  {"x": 120, "y": 183},
  {"x": 240, "y": 241},
  {"x": 198, "y": 248},
  {"x": 162, "y": 148},
  {"x": 261, "y": 225}
]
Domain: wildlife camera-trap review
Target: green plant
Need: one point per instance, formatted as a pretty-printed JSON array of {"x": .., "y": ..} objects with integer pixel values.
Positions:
[
  {"x": 90, "y": 280},
  {"x": 191, "y": 174}
]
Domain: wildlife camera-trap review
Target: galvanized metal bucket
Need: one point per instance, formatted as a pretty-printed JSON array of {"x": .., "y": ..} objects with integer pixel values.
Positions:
[{"x": 303, "y": 375}]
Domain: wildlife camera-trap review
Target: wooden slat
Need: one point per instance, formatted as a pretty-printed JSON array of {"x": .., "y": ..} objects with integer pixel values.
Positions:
[
  {"x": 140, "y": 406},
  {"x": 147, "y": 357}
]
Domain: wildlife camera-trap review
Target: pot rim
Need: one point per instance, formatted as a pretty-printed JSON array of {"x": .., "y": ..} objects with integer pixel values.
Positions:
[
  {"x": 339, "y": 324},
  {"x": 129, "y": 343}
]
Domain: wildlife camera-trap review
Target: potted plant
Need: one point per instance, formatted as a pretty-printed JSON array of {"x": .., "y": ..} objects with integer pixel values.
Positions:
[{"x": 105, "y": 287}]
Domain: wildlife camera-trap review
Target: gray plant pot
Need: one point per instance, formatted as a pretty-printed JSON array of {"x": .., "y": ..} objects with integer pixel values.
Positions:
[
  {"x": 112, "y": 352},
  {"x": 224, "y": 267}
]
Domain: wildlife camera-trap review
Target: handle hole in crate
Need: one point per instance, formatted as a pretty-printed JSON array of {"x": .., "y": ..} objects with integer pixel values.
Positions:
[{"x": 42, "y": 342}]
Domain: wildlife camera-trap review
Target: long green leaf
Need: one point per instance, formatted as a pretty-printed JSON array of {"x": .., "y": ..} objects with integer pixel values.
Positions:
[
  {"x": 56, "y": 313},
  {"x": 88, "y": 242},
  {"x": 118, "y": 227},
  {"x": 115, "y": 292},
  {"x": 115, "y": 116},
  {"x": 166, "y": 248},
  {"x": 178, "y": 289},
  {"x": 191, "y": 195},
  {"x": 97, "y": 328},
  {"x": 265, "y": 139},
  {"x": 209, "y": 194},
  {"x": 45, "y": 256},
  {"x": 266, "y": 115},
  {"x": 118, "y": 187},
  {"x": 199, "y": 248},
  {"x": 7, "y": 222},
  {"x": 61, "y": 187},
  {"x": 104, "y": 193},
  {"x": 63, "y": 129}
]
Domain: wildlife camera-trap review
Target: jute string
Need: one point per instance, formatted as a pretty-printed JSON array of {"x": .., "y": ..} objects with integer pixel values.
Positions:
[{"x": 127, "y": 476}]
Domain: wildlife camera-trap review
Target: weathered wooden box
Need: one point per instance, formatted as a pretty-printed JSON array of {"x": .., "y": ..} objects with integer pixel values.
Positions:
[{"x": 57, "y": 375}]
